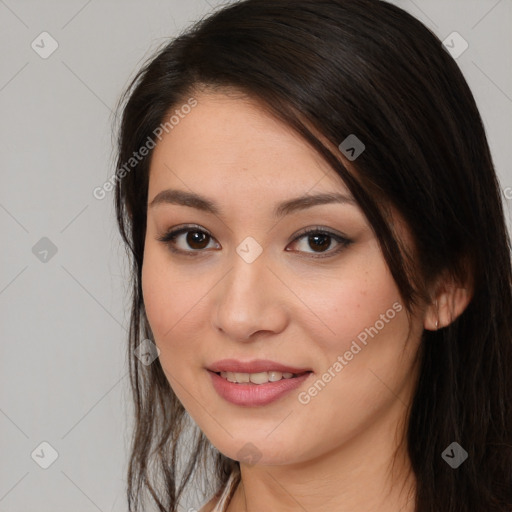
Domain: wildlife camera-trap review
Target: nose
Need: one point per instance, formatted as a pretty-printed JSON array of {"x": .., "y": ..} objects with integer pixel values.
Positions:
[{"x": 249, "y": 300}]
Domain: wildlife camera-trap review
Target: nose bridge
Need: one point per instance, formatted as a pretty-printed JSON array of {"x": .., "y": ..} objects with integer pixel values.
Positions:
[{"x": 246, "y": 301}]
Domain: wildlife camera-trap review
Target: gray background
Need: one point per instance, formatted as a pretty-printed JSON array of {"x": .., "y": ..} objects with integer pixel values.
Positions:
[{"x": 63, "y": 366}]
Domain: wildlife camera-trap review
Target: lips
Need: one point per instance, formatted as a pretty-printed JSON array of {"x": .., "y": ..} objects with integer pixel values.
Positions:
[
  {"x": 255, "y": 366},
  {"x": 257, "y": 395}
]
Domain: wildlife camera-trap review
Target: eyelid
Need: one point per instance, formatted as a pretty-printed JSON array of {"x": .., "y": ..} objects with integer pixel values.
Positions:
[{"x": 317, "y": 229}]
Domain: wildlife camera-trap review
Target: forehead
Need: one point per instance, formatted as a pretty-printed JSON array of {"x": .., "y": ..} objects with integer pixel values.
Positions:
[{"x": 232, "y": 141}]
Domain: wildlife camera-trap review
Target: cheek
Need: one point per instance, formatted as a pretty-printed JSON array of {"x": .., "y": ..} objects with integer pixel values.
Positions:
[
  {"x": 350, "y": 305},
  {"x": 165, "y": 298},
  {"x": 364, "y": 365},
  {"x": 174, "y": 304},
  {"x": 154, "y": 293}
]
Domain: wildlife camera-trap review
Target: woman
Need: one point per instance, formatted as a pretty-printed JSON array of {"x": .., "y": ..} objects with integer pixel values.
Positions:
[{"x": 320, "y": 255}]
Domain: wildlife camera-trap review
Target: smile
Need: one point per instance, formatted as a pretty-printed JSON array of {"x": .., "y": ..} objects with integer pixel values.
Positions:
[
  {"x": 256, "y": 378},
  {"x": 250, "y": 394}
]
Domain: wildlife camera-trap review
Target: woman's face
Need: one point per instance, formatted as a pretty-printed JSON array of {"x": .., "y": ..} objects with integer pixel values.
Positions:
[{"x": 245, "y": 283}]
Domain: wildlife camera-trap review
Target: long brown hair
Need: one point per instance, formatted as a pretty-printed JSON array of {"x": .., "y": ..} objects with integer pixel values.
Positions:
[{"x": 343, "y": 67}]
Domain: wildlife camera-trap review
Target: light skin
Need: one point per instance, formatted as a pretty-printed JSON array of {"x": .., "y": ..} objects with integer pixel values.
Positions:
[{"x": 335, "y": 452}]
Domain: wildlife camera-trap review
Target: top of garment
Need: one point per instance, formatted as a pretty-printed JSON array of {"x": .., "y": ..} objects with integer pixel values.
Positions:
[{"x": 223, "y": 502}]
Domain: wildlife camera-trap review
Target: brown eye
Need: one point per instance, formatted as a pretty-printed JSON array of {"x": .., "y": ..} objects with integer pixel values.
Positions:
[
  {"x": 319, "y": 242},
  {"x": 196, "y": 239},
  {"x": 187, "y": 240}
]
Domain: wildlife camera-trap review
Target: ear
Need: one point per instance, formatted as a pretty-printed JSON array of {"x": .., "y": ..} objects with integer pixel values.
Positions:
[{"x": 450, "y": 301}]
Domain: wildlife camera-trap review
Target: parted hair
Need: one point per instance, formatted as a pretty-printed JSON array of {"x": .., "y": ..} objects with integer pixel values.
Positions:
[{"x": 330, "y": 68}]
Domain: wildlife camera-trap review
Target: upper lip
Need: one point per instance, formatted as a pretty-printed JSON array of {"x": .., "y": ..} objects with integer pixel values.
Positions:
[{"x": 255, "y": 366}]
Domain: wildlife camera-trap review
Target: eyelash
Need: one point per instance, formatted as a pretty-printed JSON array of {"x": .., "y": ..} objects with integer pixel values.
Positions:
[{"x": 169, "y": 238}]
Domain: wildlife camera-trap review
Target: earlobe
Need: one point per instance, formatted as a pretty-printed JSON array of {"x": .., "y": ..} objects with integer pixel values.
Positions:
[
  {"x": 446, "y": 307},
  {"x": 431, "y": 319}
]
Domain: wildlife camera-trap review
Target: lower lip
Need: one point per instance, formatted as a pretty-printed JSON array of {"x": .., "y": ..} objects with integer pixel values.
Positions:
[{"x": 255, "y": 394}]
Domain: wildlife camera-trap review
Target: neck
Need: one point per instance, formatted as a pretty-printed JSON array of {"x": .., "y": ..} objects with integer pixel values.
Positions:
[{"x": 371, "y": 471}]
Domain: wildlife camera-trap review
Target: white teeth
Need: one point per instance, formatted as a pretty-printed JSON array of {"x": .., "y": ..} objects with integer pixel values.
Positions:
[
  {"x": 241, "y": 377},
  {"x": 275, "y": 376},
  {"x": 230, "y": 376},
  {"x": 255, "y": 378},
  {"x": 259, "y": 378}
]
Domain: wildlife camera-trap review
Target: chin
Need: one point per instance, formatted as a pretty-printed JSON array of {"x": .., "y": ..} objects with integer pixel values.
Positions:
[{"x": 252, "y": 450}]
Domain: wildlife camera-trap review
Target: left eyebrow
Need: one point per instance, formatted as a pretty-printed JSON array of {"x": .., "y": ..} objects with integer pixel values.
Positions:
[
  {"x": 193, "y": 200},
  {"x": 303, "y": 202}
]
